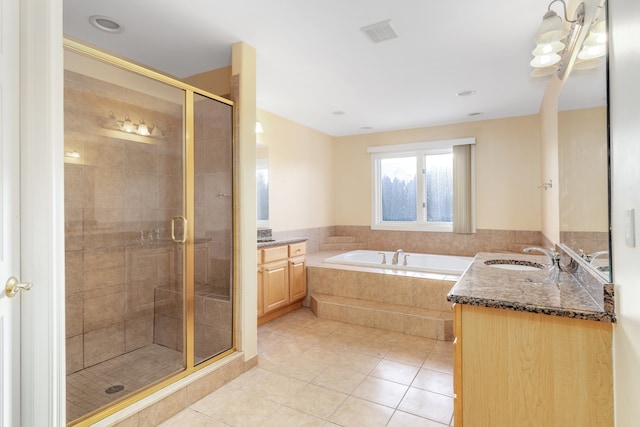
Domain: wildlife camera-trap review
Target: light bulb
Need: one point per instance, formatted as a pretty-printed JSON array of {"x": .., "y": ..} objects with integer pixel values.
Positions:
[
  {"x": 127, "y": 125},
  {"x": 143, "y": 129}
]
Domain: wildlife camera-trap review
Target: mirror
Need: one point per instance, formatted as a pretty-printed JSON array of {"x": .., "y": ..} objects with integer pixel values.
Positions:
[
  {"x": 583, "y": 161},
  {"x": 262, "y": 185}
]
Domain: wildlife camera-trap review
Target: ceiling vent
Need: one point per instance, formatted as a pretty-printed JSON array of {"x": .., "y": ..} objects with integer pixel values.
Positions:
[{"x": 379, "y": 32}]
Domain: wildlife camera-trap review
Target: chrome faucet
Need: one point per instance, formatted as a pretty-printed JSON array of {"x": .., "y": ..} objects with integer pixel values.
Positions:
[
  {"x": 384, "y": 257},
  {"x": 592, "y": 257},
  {"x": 394, "y": 260},
  {"x": 553, "y": 256}
]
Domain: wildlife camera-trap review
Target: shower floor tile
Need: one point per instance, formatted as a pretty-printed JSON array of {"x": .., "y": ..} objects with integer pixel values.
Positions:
[{"x": 86, "y": 389}]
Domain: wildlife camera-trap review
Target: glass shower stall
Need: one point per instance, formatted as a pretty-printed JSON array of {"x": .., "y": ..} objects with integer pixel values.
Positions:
[{"x": 149, "y": 230}]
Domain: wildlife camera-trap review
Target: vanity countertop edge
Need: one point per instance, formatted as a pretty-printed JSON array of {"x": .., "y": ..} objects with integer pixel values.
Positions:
[
  {"x": 281, "y": 242},
  {"x": 527, "y": 291}
]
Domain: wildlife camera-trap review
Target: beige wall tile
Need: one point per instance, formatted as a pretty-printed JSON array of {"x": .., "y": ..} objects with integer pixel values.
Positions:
[
  {"x": 103, "y": 344},
  {"x": 74, "y": 315},
  {"x": 200, "y": 388},
  {"x": 332, "y": 311},
  {"x": 163, "y": 410},
  {"x": 100, "y": 279},
  {"x": 73, "y": 264},
  {"x": 398, "y": 289},
  {"x": 345, "y": 284},
  {"x": 138, "y": 332},
  {"x": 421, "y": 326},
  {"x": 319, "y": 280},
  {"x": 360, "y": 316},
  {"x": 389, "y": 321},
  {"x": 74, "y": 354},
  {"x": 104, "y": 310}
]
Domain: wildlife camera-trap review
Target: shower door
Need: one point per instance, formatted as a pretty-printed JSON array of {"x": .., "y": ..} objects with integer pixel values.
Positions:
[
  {"x": 148, "y": 231},
  {"x": 213, "y": 227}
]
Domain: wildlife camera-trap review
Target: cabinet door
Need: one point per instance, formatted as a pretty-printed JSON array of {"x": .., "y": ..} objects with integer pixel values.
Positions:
[
  {"x": 298, "y": 278},
  {"x": 275, "y": 285}
]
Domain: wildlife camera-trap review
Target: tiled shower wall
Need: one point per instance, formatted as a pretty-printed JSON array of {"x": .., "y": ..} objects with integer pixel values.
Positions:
[{"x": 120, "y": 196}]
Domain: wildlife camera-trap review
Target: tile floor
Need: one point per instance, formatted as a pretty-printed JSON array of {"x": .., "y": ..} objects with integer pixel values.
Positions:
[{"x": 315, "y": 372}]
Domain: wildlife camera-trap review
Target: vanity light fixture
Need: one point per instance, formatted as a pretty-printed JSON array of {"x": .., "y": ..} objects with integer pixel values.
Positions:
[
  {"x": 595, "y": 45},
  {"x": 558, "y": 39},
  {"x": 128, "y": 126},
  {"x": 552, "y": 35}
]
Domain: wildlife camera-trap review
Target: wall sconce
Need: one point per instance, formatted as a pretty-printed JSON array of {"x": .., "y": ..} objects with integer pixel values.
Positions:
[
  {"x": 128, "y": 126},
  {"x": 556, "y": 44},
  {"x": 259, "y": 127}
]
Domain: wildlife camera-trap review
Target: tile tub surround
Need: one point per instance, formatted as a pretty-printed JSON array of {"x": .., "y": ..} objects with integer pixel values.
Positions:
[
  {"x": 400, "y": 301},
  {"x": 485, "y": 240},
  {"x": 483, "y": 285}
]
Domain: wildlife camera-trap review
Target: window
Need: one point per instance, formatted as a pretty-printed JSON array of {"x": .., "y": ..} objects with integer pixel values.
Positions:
[{"x": 413, "y": 186}]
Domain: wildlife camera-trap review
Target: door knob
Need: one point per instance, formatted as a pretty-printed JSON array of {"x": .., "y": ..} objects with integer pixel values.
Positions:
[{"x": 13, "y": 286}]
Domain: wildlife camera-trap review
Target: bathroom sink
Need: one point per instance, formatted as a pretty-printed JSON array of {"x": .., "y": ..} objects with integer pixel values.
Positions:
[{"x": 514, "y": 265}]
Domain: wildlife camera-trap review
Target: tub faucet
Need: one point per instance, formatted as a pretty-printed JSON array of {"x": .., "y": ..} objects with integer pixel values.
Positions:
[
  {"x": 384, "y": 257},
  {"x": 394, "y": 260},
  {"x": 553, "y": 256}
]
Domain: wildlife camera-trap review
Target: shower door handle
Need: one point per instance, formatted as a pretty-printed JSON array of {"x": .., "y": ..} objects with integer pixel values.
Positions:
[{"x": 184, "y": 229}]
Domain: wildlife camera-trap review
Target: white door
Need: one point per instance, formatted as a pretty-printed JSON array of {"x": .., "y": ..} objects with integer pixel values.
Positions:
[{"x": 9, "y": 213}]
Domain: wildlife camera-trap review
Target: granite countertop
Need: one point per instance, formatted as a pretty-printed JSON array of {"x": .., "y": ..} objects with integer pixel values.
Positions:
[
  {"x": 483, "y": 285},
  {"x": 266, "y": 243}
]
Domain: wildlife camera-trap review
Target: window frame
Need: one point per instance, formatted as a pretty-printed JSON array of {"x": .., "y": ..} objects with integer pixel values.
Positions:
[{"x": 418, "y": 150}]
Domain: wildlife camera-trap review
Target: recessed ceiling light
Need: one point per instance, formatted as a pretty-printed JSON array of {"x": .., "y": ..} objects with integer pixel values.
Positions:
[
  {"x": 475, "y": 114},
  {"x": 105, "y": 24},
  {"x": 338, "y": 113},
  {"x": 466, "y": 93}
]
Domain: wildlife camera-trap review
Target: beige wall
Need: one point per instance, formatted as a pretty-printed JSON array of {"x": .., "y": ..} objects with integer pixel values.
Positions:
[
  {"x": 216, "y": 81},
  {"x": 244, "y": 94},
  {"x": 583, "y": 180},
  {"x": 507, "y": 171},
  {"x": 550, "y": 203},
  {"x": 300, "y": 174}
]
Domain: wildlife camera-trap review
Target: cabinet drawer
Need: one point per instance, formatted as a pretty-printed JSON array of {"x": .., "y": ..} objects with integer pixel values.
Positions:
[
  {"x": 297, "y": 249},
  {"x": 274, "y": 254}
]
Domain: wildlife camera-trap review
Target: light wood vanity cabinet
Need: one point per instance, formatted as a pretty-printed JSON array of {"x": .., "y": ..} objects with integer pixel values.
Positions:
[
  {"x": 297, "y": 272},
  {"x": 528, "y": 369},
  {"x": 282, "y": 280}
]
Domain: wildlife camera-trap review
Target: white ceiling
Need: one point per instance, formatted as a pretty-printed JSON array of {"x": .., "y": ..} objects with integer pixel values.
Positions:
[{"x": 313, "y": 60}]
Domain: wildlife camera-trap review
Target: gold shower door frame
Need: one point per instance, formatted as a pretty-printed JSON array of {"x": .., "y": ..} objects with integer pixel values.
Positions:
[{"x": 189, "y": 246}]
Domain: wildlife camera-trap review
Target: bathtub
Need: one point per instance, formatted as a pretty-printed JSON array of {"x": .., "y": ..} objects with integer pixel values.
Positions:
[{"x": 443, "y": 264}]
